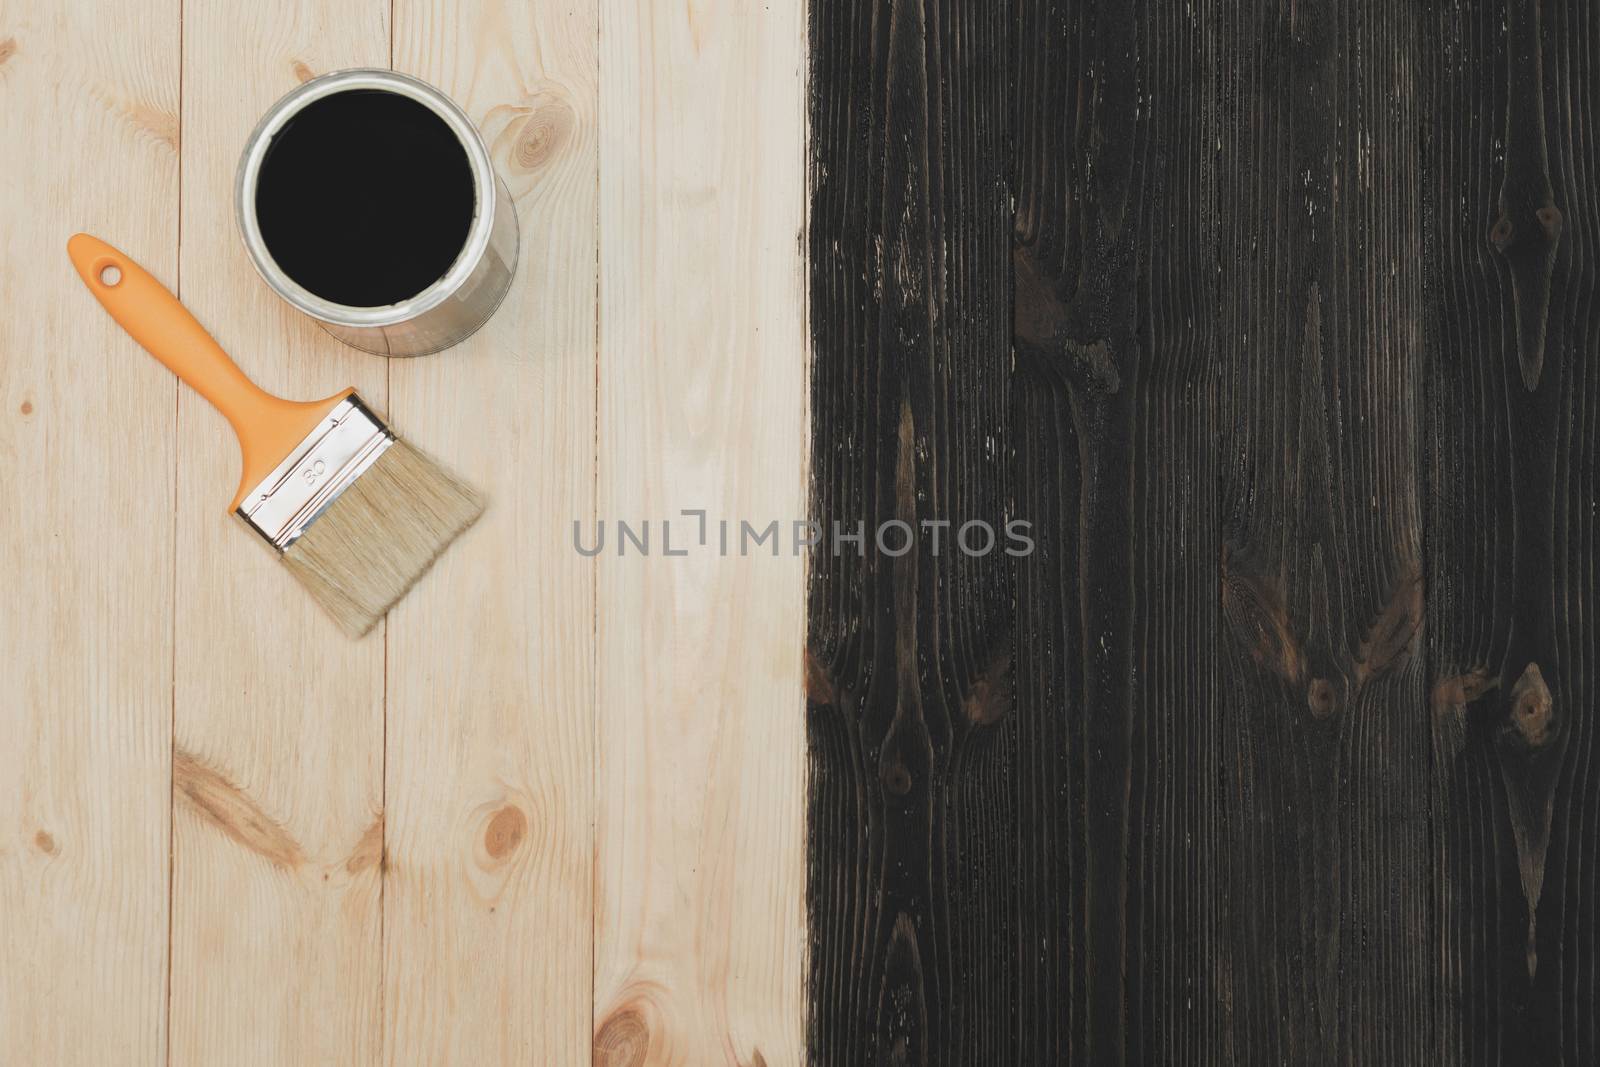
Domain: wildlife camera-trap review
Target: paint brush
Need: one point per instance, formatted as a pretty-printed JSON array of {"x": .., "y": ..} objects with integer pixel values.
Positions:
[{"x": 356, "y": 514}]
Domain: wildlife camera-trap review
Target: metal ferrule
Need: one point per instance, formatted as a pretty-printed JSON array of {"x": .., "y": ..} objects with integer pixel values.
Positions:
[{"x": 344, "y": 444}]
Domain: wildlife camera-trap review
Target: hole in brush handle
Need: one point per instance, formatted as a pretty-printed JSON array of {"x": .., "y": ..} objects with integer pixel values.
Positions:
[{"x": 108, "y": 272}]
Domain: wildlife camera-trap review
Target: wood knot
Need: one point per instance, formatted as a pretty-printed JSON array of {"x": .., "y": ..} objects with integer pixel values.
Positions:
[
  {"x": 623, "y": 1040},
  {"x": 8, "y": 48},
  {"x": 1395, "y": 632},
  {"x": 1462, "y": 689},
  {"x": 1527, "y": 235},
  {"x": 1501, "y": 233},
  {"x": 1532, "y": 709},
  {"x": 1322, "y": 698},
  {"x": 1254, "y": 610},
  {"x": 233, "y": 811},
  {"x": 1037, "y": 314},
  {"x": 819, "y": 687},
  {"x": 302, "y": 72},
  {"x": 506, "y": 830},
  {"x": 1450, "y": 699},
  {"x": 1097, "y": 365},
  {"x": 369, "y": 851},
  {"x": 896, "y": 778},
  {"x": 990, "y": 697},
  {"x": 1550, "y": 221},
  {"x": 544, "y": 132},
  {"x": 153, "y": 122},
  {"x": 27, "y": 407},
  {"x": 44, "y": 843}
]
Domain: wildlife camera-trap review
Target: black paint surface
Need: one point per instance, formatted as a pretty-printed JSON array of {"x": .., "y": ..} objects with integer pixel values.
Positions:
[
  {"x": 1278, "y": 321},
  {"x": 365, "y": 197}
]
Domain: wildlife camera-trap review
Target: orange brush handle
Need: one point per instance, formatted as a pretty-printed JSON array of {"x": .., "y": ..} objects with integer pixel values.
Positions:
[{"x": 268, "y": 427}]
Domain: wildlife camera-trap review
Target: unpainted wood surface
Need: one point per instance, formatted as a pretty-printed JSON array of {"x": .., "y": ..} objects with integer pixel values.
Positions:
[
  {"x": 698, "y": 730},
  {"x": 386, "y": 851},
  {"x": 88, "y": 110},
  {"x": 277, "y": 718},
  {"x": 489, "y": 828}
]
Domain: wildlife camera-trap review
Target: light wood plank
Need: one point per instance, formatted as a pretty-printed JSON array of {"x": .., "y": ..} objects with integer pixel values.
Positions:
[
  {"x": 700, "y": 749},
  {"x": 88, "y": 129},
  {"x": 278, "y": 722},
  {"x": 488, "y": 889}
]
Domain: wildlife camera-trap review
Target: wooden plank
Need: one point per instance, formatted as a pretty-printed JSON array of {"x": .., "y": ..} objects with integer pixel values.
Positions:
[
  {"x": 487, "y": 891},
  {"x": 699, "y": 736},
  {"x": 88, "y": 118},
  {"x": 1511, "y": 525},
  {"x": 1115, "y": 424},
  {"x": 278, "y": 727},
  {"x": 914, "y": 765},
  {"x": 1040, "y": 892},
  {"x": 1325, "y": 755}
]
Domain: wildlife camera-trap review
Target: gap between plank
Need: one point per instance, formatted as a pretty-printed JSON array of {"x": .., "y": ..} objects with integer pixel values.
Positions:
[{"x": 172, "y": 615}]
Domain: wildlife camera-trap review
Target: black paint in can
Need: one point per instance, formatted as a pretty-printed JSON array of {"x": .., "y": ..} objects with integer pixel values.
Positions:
[{"x": 365, "y": 197}]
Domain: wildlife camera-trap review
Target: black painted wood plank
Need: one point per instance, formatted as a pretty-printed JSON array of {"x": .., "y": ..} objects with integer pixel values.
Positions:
[
  {"x": 1327, "y": 757},
  {"x": 1513, "y": 178},
  {"x": 1115, "y": 290},
  {"x": 911, "y": 884}
]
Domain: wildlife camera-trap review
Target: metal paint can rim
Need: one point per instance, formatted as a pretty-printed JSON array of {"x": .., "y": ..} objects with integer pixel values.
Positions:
[{"x": 483, "y": 209}]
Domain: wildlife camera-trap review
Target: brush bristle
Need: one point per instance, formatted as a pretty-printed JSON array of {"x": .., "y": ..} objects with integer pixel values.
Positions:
[{"x": 382, "y": 533}]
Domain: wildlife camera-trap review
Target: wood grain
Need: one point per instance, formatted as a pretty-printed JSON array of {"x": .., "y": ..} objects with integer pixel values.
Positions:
[
  {"x": 913, "y": 852},
  {"x": 1294, "y": 385},
  {"x": 1115, "y": 320},
  {"x": 1511, "y": 536},
  {"x": 698, "y": 730},
  {"x": 1324, "y": 746},
  {"x": 490, "y": 716},
  {"x": 88, "y": 106},
  {"x": 278, "y": 717},
  {"x": 1274, "y": 320},
  {"x": 1013, "y": 252}
]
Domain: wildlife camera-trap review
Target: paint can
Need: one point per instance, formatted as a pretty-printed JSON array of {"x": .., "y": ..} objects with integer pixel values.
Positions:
[{"x": 367, "y": 200}]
